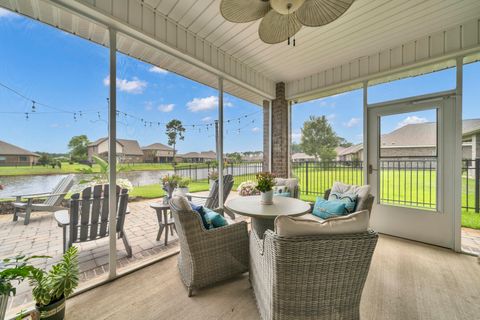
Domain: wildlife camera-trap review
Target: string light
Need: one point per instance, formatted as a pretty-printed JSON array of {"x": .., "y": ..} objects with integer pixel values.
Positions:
[{"x": 33, "y": 106}]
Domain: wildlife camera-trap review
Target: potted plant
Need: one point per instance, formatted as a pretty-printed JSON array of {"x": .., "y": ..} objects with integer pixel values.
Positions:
[
  {"x": 169, "y": 183},
  {"x": 13, "y": 270},
  {"x": 50, "y": 289},
  {"x": 212, "y": 177},
  {"x": 182, "y": 186},
  {"x": 265, "y": 183}
]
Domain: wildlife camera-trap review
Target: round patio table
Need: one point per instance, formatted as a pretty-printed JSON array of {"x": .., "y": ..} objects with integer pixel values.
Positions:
[{"x": 263, "y": 215}]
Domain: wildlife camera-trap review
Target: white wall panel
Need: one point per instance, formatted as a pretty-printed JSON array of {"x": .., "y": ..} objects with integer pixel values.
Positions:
[{"x": 428, "y": 50}]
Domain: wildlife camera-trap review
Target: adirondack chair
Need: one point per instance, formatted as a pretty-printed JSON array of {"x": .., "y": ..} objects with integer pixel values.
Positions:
[
  {"x": 88, "y": 217},
  {"x": 211, "y": 201},
  {"x": 51, "y": 204}
]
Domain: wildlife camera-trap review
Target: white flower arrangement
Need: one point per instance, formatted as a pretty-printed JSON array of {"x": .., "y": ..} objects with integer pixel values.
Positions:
[{"x": 247, "y": 188}]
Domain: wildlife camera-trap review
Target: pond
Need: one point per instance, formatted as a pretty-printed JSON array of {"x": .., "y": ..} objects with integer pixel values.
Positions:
[{"x": 23, "y": 185}]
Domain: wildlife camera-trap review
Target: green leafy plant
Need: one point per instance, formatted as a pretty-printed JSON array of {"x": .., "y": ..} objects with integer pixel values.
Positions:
[
  {"x": 59, "y": 282},
  {"x": 13, "y": 270},
  {"x": 183, "y": 182},
  {"x": 265, "y": 181}
]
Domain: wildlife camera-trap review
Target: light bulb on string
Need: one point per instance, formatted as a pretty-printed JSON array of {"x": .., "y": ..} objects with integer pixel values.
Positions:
[
  {"x": 74, "y": 117},
  {"x": 26, "y": 115},
  {"x": 98, "y": 113},
  {"x": 33, "y": 106}
]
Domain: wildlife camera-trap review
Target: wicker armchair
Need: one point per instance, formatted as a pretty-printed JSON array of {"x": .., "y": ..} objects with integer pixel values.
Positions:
[
  {"x": 366, "y": 205},
  {"x": 314, "y": 277},
  {"x": 208, "y": 256}
]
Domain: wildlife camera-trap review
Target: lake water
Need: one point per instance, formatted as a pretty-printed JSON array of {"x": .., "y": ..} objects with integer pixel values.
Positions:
[{"x": 19, "y": 185}]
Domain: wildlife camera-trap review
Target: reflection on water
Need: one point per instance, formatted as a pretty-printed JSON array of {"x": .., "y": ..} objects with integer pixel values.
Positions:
[{"x": 22, "y": 185}]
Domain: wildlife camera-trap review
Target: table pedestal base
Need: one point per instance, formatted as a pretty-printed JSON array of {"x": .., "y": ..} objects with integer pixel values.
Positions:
[{"x": 259, "y": 226}]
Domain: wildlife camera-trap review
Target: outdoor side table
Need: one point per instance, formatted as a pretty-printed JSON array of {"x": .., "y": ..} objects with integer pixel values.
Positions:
[
  {"x": 263, "y": 215},
  {"x": 164, "y": 222}
]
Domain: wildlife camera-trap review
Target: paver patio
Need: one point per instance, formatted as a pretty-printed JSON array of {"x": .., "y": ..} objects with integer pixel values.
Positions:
[{"x": 43, "y": 237}]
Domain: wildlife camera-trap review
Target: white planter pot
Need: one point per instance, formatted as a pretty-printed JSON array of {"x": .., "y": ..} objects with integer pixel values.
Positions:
[
  {"x": 3, "y": 306},
  {"x": 266, "y": 197},
  {"x": 181, "y": 191}
]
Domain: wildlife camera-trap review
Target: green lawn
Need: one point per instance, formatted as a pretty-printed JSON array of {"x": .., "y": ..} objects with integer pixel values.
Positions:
[
  {"x": 155, "y": 190},
  {"x": 402, "y": 187}
]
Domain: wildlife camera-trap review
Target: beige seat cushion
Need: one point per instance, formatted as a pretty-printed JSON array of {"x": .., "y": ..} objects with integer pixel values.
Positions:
[
  {"x": 306, "y": 225},
  {"x": 361, "y": 191},
  {"x": 181, "y": 203}
]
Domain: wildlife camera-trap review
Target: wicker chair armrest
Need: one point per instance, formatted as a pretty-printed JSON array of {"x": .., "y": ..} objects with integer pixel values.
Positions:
[{"x": 228, "y": 231}]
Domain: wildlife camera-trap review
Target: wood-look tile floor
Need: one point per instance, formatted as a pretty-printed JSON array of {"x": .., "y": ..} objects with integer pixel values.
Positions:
[{"x": 407, "y": 280}]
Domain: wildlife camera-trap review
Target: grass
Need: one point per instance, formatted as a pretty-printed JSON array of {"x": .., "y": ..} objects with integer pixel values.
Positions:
[{"x": 155, "y": 190}]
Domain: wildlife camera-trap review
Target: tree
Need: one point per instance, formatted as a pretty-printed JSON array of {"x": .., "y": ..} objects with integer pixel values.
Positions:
[
  {"x": 319, "y": 139},
  {"x": 342, "y": 142},
  {"x": 296, "y": 147},
  {"x": 174, "y": 132},
  {"x": 78, "y": 146},
  {"x": 235, "y": 157}
]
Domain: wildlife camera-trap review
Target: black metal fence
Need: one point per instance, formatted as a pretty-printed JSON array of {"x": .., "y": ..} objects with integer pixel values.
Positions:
[
  {"x": 242, "y": 171},
  {"x": 406, "y": 182}
]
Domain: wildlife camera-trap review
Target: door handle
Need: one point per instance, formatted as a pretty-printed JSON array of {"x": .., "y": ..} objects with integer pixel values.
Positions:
[{"x": 371, "y": 169}]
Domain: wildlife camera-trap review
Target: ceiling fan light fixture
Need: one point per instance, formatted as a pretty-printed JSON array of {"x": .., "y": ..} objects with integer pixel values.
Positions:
[{"x": 286, "y": 6}]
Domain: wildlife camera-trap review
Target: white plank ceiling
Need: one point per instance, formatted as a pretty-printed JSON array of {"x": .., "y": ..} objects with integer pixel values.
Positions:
[
  {"x": 176, "y": 34},
  {"x": 368, "y": 25}
]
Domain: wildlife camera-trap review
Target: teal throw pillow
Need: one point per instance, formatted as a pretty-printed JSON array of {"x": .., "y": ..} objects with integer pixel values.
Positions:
[
  {"x": 214, "y": 219},
  {"x": 328, "y": 208},
  {"x": 350, "y": 200}
]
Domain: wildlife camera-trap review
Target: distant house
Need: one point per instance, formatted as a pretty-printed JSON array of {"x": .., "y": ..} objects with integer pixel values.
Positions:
[
  {"x": 302, "y": 157},
  {"x": 157, "y": 153},
  {"x": 419, "y": 140},
  {"x": 198, "y": 157},
  {"x": 127, "y": 150},
  {"x": 11, "y": 155}
]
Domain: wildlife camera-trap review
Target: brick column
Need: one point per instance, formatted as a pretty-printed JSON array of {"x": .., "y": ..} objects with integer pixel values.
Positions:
[
  {"x": 266, "y": 135},
  {"x": 280, "y": 132}
]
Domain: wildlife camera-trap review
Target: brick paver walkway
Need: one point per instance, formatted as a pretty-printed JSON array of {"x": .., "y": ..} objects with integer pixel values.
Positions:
[{"x": 42, "y": 236}]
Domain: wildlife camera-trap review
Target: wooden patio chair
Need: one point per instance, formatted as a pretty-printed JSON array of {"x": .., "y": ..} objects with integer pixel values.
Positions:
[
  {"x": 211, "y": 201},
  {"x": 52, "y": 202},
  {"x": 88, "y": 217}
]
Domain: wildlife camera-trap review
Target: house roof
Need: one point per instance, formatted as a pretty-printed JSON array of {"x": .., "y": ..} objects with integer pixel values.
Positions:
[
  {"x": 157, "y": 146},
  {"x": 130, "y": 147},
  {"x": 203, "y": 154},
  {"x": 301, "y": 155},
  {"x": 415, "y": 135},
  {"x": 8, "y": 149}
]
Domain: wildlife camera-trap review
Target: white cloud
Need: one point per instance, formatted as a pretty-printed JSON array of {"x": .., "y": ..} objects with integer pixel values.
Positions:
[
  {"x": 352, "y": 122},
  {"x": 255, "y": 129},
  {"x": 148, "y": 106},
  {"x": 158, "y": 70},
  {"x": 207, "y": 119},
  {"x": 135, "y": 86},
  {"x": 4, "y": 13},
  {"x": 166, "y": 107},
  {"x": 296, "y": 137},
  {"x": 331, "y": 117},
  {"x": 207, "y": 103},
  {"x": 411, "y": 120}
]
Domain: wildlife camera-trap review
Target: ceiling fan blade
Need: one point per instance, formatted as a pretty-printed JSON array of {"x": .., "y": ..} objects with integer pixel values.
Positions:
[
  {"x": 276, "y": 27},
  {"x": 240, "y": 11},
  {"x": 315, "y": 13}
]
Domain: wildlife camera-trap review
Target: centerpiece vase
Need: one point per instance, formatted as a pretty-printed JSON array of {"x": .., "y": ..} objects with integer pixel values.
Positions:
[{"x": 266, "y": 197}]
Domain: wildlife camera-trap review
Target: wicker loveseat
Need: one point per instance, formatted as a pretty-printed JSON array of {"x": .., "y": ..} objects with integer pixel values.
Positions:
[
  {"x": 208, "y": 256},
  {"x": 310, "y": 277}
]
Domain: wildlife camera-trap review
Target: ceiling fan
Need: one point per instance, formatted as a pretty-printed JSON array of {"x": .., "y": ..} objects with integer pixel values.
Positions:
[{"x": 282, "y": 19}]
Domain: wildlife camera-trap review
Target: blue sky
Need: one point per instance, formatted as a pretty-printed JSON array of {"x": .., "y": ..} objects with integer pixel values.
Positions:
[{"x": 70, "y": 73}]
